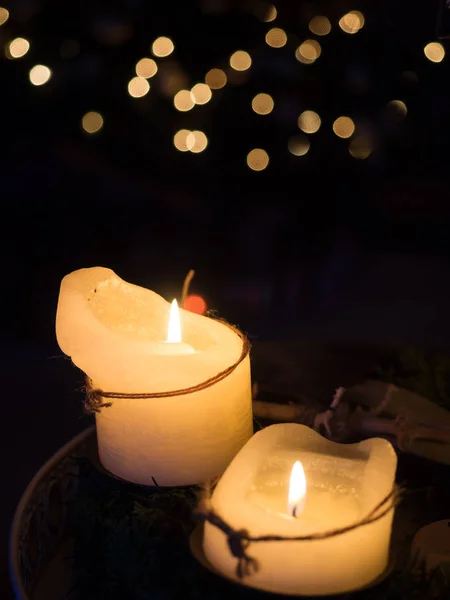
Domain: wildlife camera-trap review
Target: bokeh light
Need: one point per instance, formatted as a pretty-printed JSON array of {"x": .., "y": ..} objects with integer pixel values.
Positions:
[
  {"x": 398, "y": 107},
  {"x": 40, "y": 74},
  {"x": 146, "y": 68},
  {"x": 138, "y": 87},
  {"x": 195, "y": 304},
  {"x": 196, "y": 141},
  {"x": 18, "y": 48},
  {"x": 309, "y": 121},
  {"x": 361, "y": 146},
  {"x": 269, "y": 13},
  {"x": 320, "y": 25},
  {"x": 344, "y": 127},
  {"x": 92, "y": 122},
  {"x": 183, "y": 101},
  {"x": 352, "y": 22},
  {"x": 257, "y": 159},
  {"x": 264, "y": 11},
  {"x": 4, "y": 15},
  {"x": 262, "y": 104},
  {"x": 162, "y": 46},
  {"x": 435, "y": 52},
  {"x": 298, "y": 145},
  {"x": 240, "y": 60},
  {"x": 201, "y": 93},
  {"x": 183, "y": 141},
  {"x": 308, "y": 52},
  {"x": 216, "y": 79},
  {"x": 276, "y": 37}
]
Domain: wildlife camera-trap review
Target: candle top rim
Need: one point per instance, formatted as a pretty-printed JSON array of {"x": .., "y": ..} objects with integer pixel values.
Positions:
[
  {"x": 90, "y": 282},
  {"x": 96, "y": 312}
]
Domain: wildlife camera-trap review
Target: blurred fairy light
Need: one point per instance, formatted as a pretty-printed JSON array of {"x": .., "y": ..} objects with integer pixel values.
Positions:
[
  {"x": 4, "y": 15},
  {"x": 344, "y": 127},
  {"x": 184, "y": 100},
  {"x": 269, "y": 13},
  {"x": 92, "y": 122},
  {"x": 162, "y": 46},
  {"x": 240, "y": 60},
  {"x": 352, "y": 22},
  {"x": 40, "y": 74},
  {"x": 201, "y": 93},
  {"x": 276, "y": 37},
  {"x": 263, "y": 104},
  {"x": 196, "y": 141},
  {"x": 257, "y": 159},
  {"x": 18, "y": 48},
  {"x": 298, "y": 145},
  {"x": 195, "y": 304},
  {"x": 361, "y": 146},
  {"x": 183, "y": 140},
  {"x": 398, "y": 106},
  {"x": 308, "y": 52},
  {"x": 146, "y": 68},
  {"x": 309, "y": 121},
  {"x": 435, "y": 52},
  {"x": 216, "y": 79},
  {"x": 138, "y": 87},
  {"x": 320, "y": 25},
  {"x": 358, "y": 14}
]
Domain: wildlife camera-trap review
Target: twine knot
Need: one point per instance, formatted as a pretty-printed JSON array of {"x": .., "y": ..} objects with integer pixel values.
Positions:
[
  {"x": 94, "y": 400},
  {"x": 238, "y": 543}
]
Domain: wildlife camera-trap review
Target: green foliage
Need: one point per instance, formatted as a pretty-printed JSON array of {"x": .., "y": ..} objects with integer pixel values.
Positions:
[
  {"x": 425, "y": 372},
  {"x": 132, "y": 543}
]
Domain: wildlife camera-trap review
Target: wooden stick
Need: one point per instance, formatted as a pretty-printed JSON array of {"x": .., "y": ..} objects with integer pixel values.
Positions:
[
  {"x": 358, "y": 422},
  {"x": 274, "y": 412},
  {"x": 398, "y": 427}
]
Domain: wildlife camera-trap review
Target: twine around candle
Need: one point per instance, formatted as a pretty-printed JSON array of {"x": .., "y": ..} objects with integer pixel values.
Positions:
[
  {"x": 94, "y": 400},
  {"x": 240, "y": 539}
]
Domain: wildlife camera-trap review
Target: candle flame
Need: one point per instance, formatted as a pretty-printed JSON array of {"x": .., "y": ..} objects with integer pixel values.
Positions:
[
  {"x": 297, "y": 490},
  {"x": 174, "y": 328}
]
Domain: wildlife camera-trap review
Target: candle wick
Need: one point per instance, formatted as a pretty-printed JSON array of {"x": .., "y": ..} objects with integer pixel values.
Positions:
[{"x": 294, "y": 511}]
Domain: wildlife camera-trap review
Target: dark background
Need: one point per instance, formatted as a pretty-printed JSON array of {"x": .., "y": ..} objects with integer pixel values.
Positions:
[{"x": 323, "y": 246}]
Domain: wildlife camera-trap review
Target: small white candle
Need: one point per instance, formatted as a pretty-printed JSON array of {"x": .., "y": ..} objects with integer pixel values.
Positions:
[
  {"x": 331, "y": 486},
  {"x": 117, "y": 333}
]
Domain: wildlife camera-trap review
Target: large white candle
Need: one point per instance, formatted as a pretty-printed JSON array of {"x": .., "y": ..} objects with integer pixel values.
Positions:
[
  {"x": 341, "y": 485},
  {"x": 117, "y": 334}
]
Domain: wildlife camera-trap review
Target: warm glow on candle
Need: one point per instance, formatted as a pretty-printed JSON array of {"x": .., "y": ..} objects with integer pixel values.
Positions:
[
  {"x": 174, "y": 328},
  {"x": 122, "y": 336},
  {"x": 297, "y": 490},
  {"x": 344, "y": 483}
]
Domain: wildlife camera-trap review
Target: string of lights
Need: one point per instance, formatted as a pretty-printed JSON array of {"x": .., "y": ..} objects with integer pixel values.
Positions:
[{"x": 162, "y": 74}]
